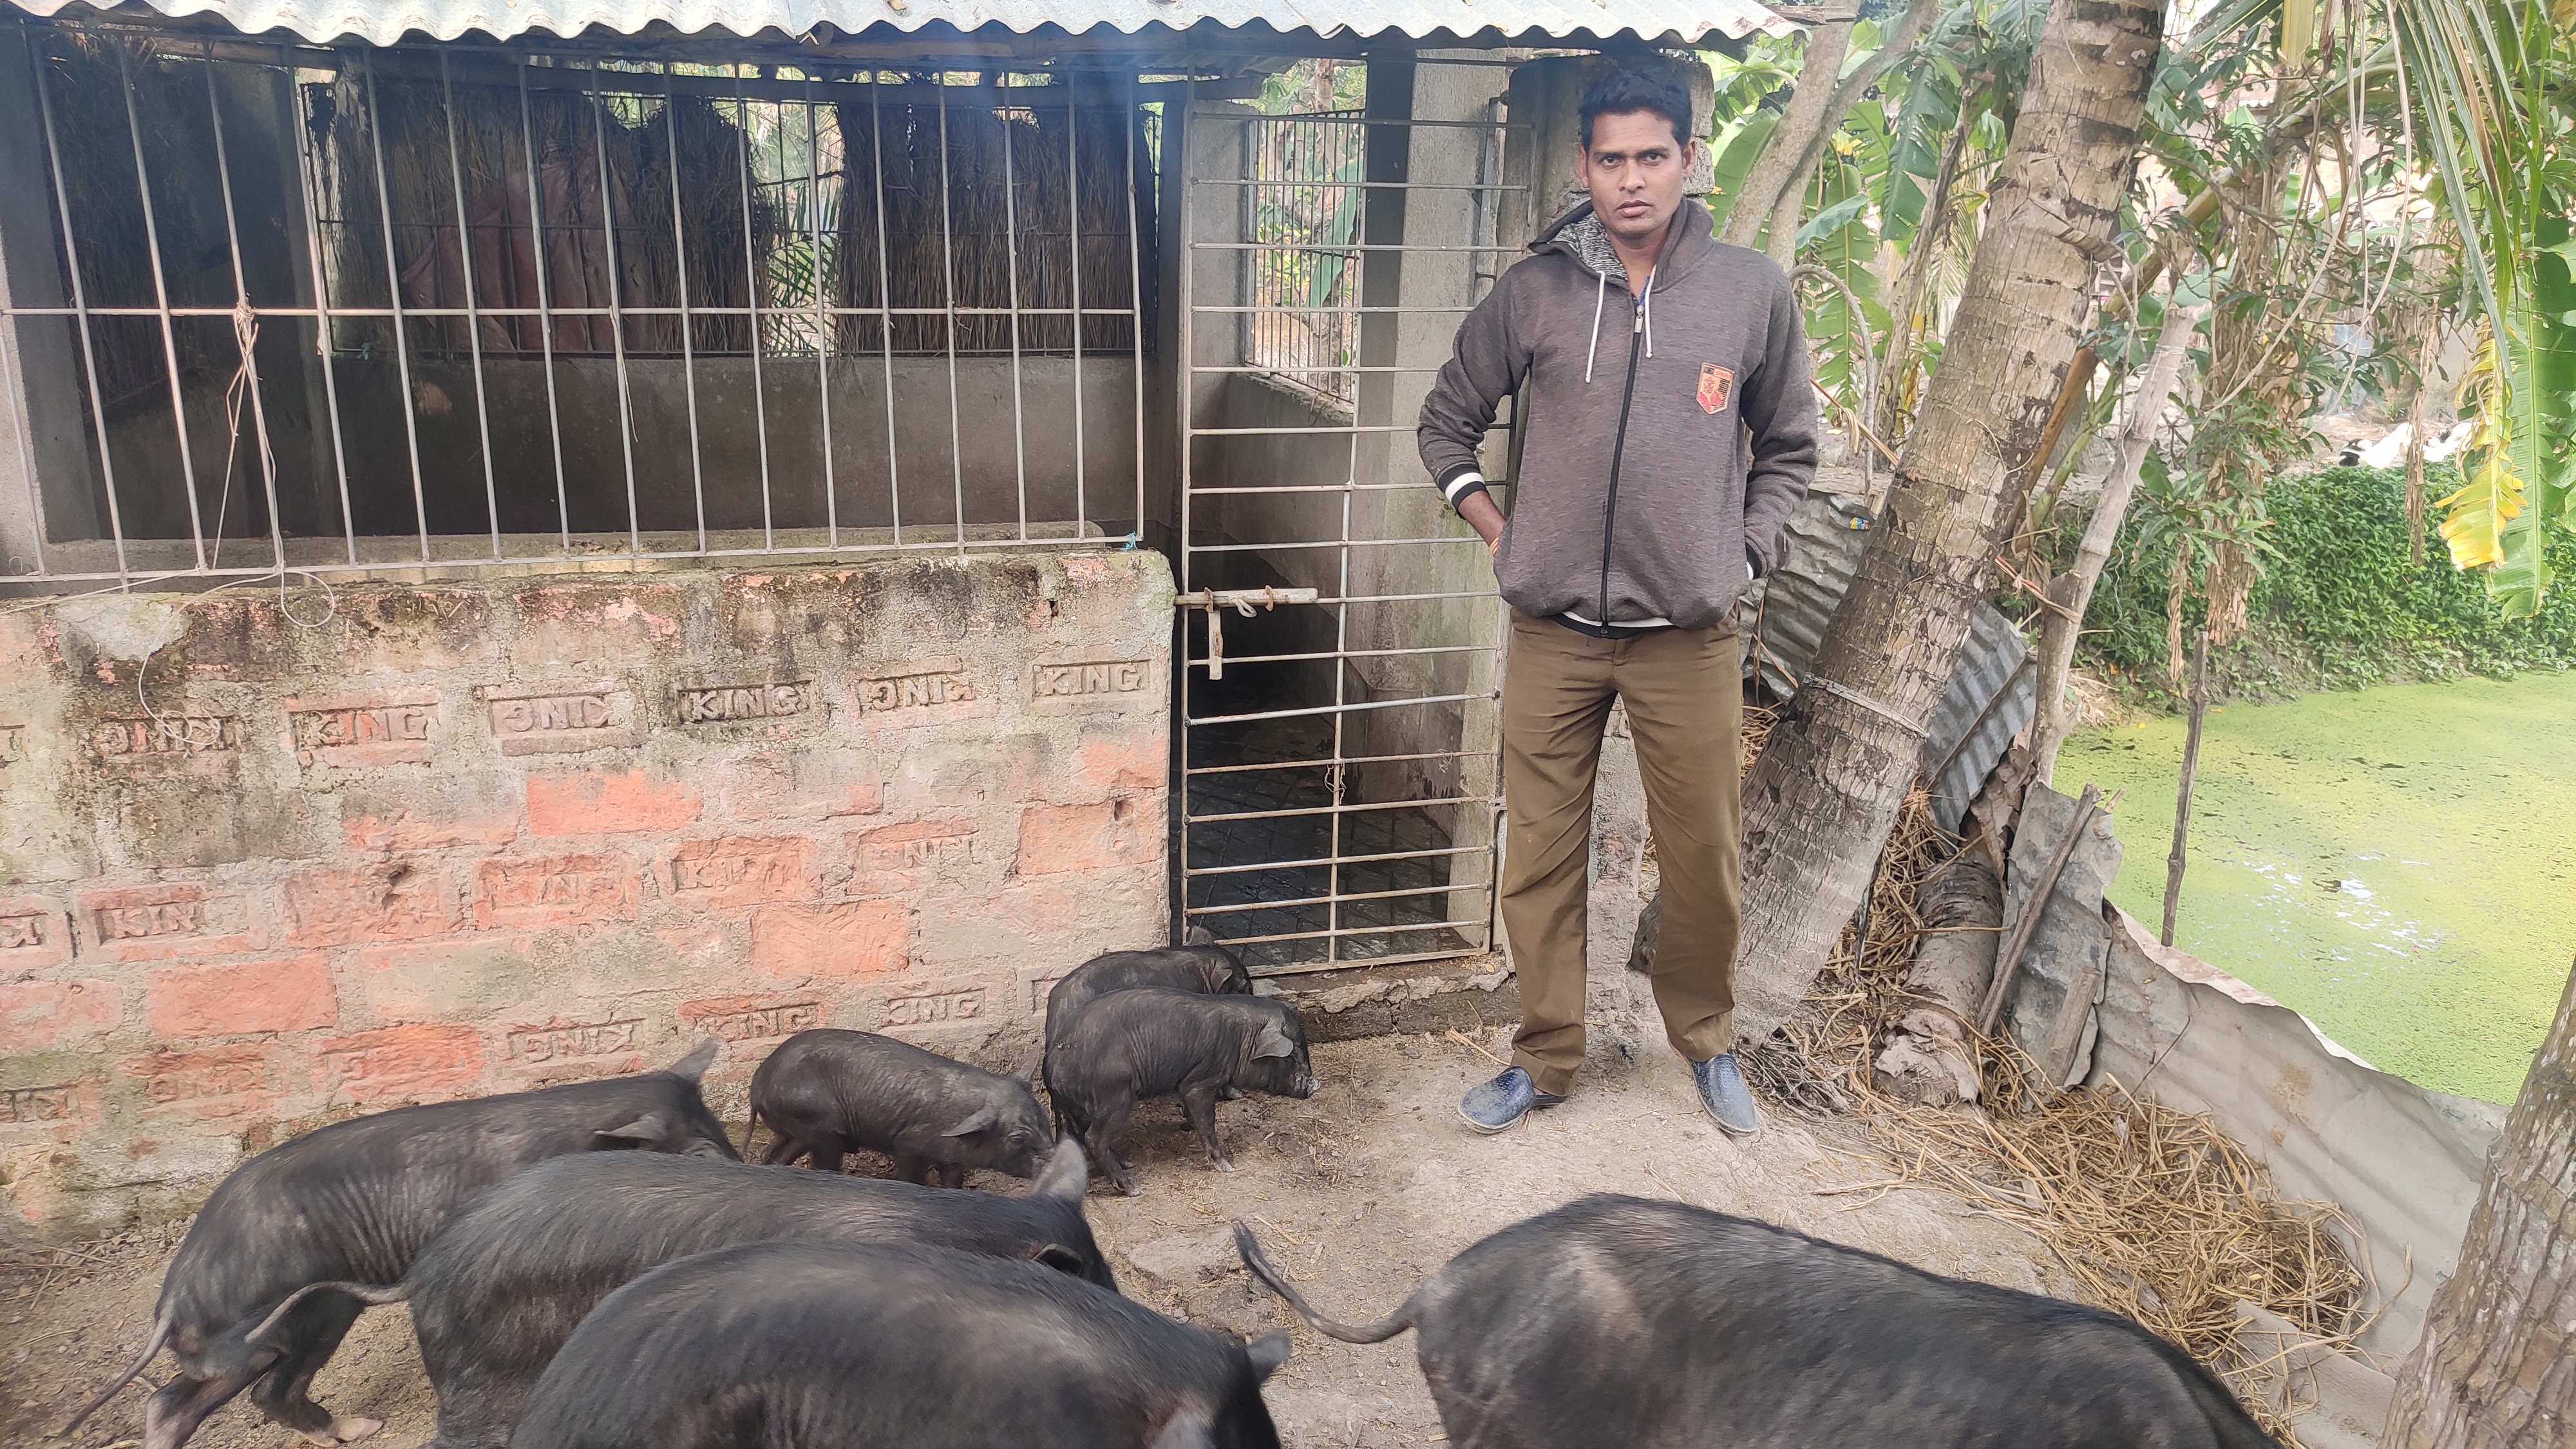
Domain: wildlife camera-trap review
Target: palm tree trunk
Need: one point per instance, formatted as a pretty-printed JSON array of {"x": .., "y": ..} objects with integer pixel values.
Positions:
[
  {"x": 2496, "y": 1367},
  {"x": 2071, "y": 592},
  {"x": 1820, "y": 800}
]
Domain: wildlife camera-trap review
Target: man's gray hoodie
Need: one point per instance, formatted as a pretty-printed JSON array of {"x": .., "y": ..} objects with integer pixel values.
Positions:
[{"x": 1640, "y": 499}]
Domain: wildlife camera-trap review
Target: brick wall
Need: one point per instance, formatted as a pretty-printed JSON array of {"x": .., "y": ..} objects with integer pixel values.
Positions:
[{"x": 262, "y": 864}]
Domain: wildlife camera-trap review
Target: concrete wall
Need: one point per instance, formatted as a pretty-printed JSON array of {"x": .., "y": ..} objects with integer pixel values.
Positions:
[{"x": 261, "y": 866}]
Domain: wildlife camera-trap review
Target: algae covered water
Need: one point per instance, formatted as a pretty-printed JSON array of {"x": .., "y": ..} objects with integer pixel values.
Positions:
[{"x": 2397, "y": 863}]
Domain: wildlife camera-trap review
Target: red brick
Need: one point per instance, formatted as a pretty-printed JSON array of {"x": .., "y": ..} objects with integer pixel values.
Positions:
[
  {"x": 847, "y": 941},
  {"x": 554, "y": 890},
  {"x": 34, "y": 933},
  {"x": 399, "y": 1064},
  {"x": 401, "y": 900},
  {"x": 1121, "y": 763},
  {"x": 1124, "y": 831},
  {"x": 362, "y": 731},
  {"x": 740, "y": 870},
  {"x": 597, "y": 802},
  {"x": 406, "y": 832},
  {"x": 295, "y": 994},
  {"x": 222, "y": 1081},
  {"x": 183, "y": 917},
  {"x": 456, "y": 980},
  {"x": 915, "y": 845},
  {"x": 750, "y": 1018},
  {"x": 62, "y": 1104},
  {"x": 39, "y": 1014}
]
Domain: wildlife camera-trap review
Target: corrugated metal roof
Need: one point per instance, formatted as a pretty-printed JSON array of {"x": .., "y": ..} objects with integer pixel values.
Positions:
[
  {"x": 382, "y": 22},
  {"x": 1797, "y": 601}
]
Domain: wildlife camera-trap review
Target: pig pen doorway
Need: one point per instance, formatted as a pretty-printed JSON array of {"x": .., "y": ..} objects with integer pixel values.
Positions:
[{"x": 1338, "y": 730}]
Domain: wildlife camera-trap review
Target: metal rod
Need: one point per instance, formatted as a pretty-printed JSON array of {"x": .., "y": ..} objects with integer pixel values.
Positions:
[
  {"x": 1334, "y": 708},
  {"x": 545, "y": 318},
  {"x": 246, "y": 338},
  {"x": 616, "y": 309},
  {"x": 751, "y": 292},
  {"x": 473, "y": 323},
  {"x": 1073, "y": 246},
  {"x": 948, "y": 271},
  {"x": 308, "y": 176},
  {"x": 822, "y": 316},
  {"x": 885, "y": 312},
  {"x": 1131, "y": 119},
  {"x": 161, "y": 297},
  {"x": 393, "y": 295},
  {"x": 1319, "y": 764},
  {"x": 1329, "y": 542},
  {"x": 1310, "y": 864},
  {"x": 1343, "y": 808},
  {"x": 688, "y": 356},
  {"x": 1242, "y": 907},
  {"x": 26, "y": 456},
  {"x": 1333, "y": 934},
  {"x": 1338, "y": 249},
  {"x": 1011, "y": 254},
  {"x": 1358, "y": 654}
]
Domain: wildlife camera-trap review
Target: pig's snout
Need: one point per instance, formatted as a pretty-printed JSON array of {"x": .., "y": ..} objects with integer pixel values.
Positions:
[{"x": 1306, "y": 1085}]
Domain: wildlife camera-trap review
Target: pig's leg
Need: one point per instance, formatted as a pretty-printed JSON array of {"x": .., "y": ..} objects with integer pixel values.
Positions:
[
  {"x": 827, "y": 1153},
  {"x": 1198, "y": 1103},
  {"x": 1098, "y": 1135},
  {"x": 952, "y": 1175},
  {"x": 908, "y": 1168},
  {"x": 174, "y": 1413},
  {"x": 782, "y": 1148},
  {"x": 285, "y": 1396}
]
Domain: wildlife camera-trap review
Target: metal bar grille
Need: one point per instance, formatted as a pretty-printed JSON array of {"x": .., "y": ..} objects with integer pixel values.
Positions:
[
  {"x": 452, "y": 307},
  {"x": 1341, "y": 793}
]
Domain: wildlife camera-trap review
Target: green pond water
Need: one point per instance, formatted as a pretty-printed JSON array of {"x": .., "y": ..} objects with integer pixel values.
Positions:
[{"x": 2398, "y": 863}]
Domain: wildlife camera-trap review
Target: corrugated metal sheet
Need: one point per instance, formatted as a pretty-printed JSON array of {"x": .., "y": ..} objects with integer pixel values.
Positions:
[
  {"x": 1797, "y": 601},
  {"x": 382, "y": 22}
]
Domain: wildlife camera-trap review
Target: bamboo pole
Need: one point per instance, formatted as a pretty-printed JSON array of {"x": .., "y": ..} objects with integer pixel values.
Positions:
[{"x": 2190, "y": 771}]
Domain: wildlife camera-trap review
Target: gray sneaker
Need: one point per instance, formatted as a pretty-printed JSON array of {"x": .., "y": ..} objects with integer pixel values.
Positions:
[
  {"x": 1723, "y": 1092},
  {"x": 1490, "y": 1107}
]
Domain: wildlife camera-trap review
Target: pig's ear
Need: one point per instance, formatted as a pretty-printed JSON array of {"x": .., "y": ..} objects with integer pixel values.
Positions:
[
  {"x": 1067, "y": 1175},
  {"x": 1029, "y": 1070},
  {"x": 647, "y": 1129},
  {"x": 1267, "y": 1353},
  {"x": 984, "y": 1116},
  {"x": 1199, "y": 936},
  {"x": 1273, "y": 1043},
  {"x": 693, "y": 1066}
]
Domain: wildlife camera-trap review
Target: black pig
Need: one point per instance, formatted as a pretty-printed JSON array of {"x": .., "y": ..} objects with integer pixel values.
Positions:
[
  {"x": 355, "y": 1201},
  {"x": 1203, "y": 967},
  {"x": 1130, "y": 1045},
  {"x": 825, "y": 1091},
  {"x": 496, "y": 1294},
  {"x": 1615, "y": 1320},
  {"x": 847, "y": 1346}
]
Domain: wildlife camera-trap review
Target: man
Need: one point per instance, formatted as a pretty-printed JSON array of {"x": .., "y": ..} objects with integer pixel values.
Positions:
[{"x": 1665, "y": 438}]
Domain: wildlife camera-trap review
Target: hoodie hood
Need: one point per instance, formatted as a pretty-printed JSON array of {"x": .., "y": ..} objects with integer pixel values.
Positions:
[{"x": 1580, "y": 233}]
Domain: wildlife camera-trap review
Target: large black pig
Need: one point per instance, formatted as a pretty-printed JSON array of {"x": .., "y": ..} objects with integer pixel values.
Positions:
[
  {"x": 1201, "y": 966},
  {"x": 355, "y": 1201},
  {"x": 850, "y": 1346},
  {"x": 1130, "y": 1045},
  {"x": 827, "y": 1091},
  {"x": 1615, "y": 1320},
  {"x": 496, "y": 1294}
]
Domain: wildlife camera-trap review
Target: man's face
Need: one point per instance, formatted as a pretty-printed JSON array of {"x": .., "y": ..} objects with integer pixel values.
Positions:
[{"x": 1634, "y": 168}]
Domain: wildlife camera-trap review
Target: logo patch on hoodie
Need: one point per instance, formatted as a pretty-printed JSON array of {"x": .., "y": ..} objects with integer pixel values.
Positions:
[{"x": 1716, "y": 385}]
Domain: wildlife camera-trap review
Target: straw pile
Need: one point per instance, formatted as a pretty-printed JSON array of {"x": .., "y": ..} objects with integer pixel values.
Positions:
[{"x": 2156, "y": 1213}]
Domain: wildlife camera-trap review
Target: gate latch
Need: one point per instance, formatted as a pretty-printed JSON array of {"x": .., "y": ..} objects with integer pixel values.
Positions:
[{"x": 1217, "y": 601}]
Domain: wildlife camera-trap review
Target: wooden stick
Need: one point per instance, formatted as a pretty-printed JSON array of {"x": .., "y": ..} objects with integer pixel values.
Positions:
[
  {"x": 2027, "y": 925},
  {"x": 2066, "y": 1033},
  {"x": 2190, "y": 772}
]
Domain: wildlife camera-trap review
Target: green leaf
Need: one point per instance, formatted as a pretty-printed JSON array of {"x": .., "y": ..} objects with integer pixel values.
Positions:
[
  {"x": 1736, "y": 154},
  {"x": 1832, "y": 219}
]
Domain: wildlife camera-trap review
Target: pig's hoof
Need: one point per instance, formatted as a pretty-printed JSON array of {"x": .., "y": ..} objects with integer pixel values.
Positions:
[
  {"x": 1129, "y": 1189},
  {"x": 345, "y": 1431},
  {"x": 1221, "y": 1164}
]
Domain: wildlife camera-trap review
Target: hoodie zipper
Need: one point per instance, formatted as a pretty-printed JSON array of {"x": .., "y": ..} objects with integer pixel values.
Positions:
[{"x": 1619, "y": 443}]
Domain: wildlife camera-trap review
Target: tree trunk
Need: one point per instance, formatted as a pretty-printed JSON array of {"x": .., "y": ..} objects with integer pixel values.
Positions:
[
  {"x": 2071, "y": 593},
  {"x": 1778, "y": 179},
  {"x": 1820, "y": 800},
  {"x": 2180, "y": 855},
  {"x": 2496, "y": 1367}
]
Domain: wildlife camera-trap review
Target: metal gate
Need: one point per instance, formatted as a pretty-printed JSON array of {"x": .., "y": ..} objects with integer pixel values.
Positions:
[{"x": 1339, "y": 677}]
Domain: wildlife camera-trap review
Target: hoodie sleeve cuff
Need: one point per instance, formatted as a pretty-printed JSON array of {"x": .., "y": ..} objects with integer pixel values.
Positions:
[
  {"x": 1752, "y": 564},
  {"x": 1457, "y": 486}
]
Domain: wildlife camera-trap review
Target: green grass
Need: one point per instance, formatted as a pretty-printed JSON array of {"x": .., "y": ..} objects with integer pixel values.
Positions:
[{"x": 2398, "y": 863}]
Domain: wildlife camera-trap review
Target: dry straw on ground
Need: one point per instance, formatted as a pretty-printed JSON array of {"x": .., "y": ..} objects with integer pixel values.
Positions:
[{"x": 2155, "y": 1212}]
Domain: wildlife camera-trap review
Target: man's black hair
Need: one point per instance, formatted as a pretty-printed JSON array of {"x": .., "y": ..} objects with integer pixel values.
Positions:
[{"x": 1637, "y": 85}]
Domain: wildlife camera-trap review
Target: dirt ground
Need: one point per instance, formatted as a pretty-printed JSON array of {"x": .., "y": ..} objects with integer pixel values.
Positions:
[{"x": 1359, "y": 1193}]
